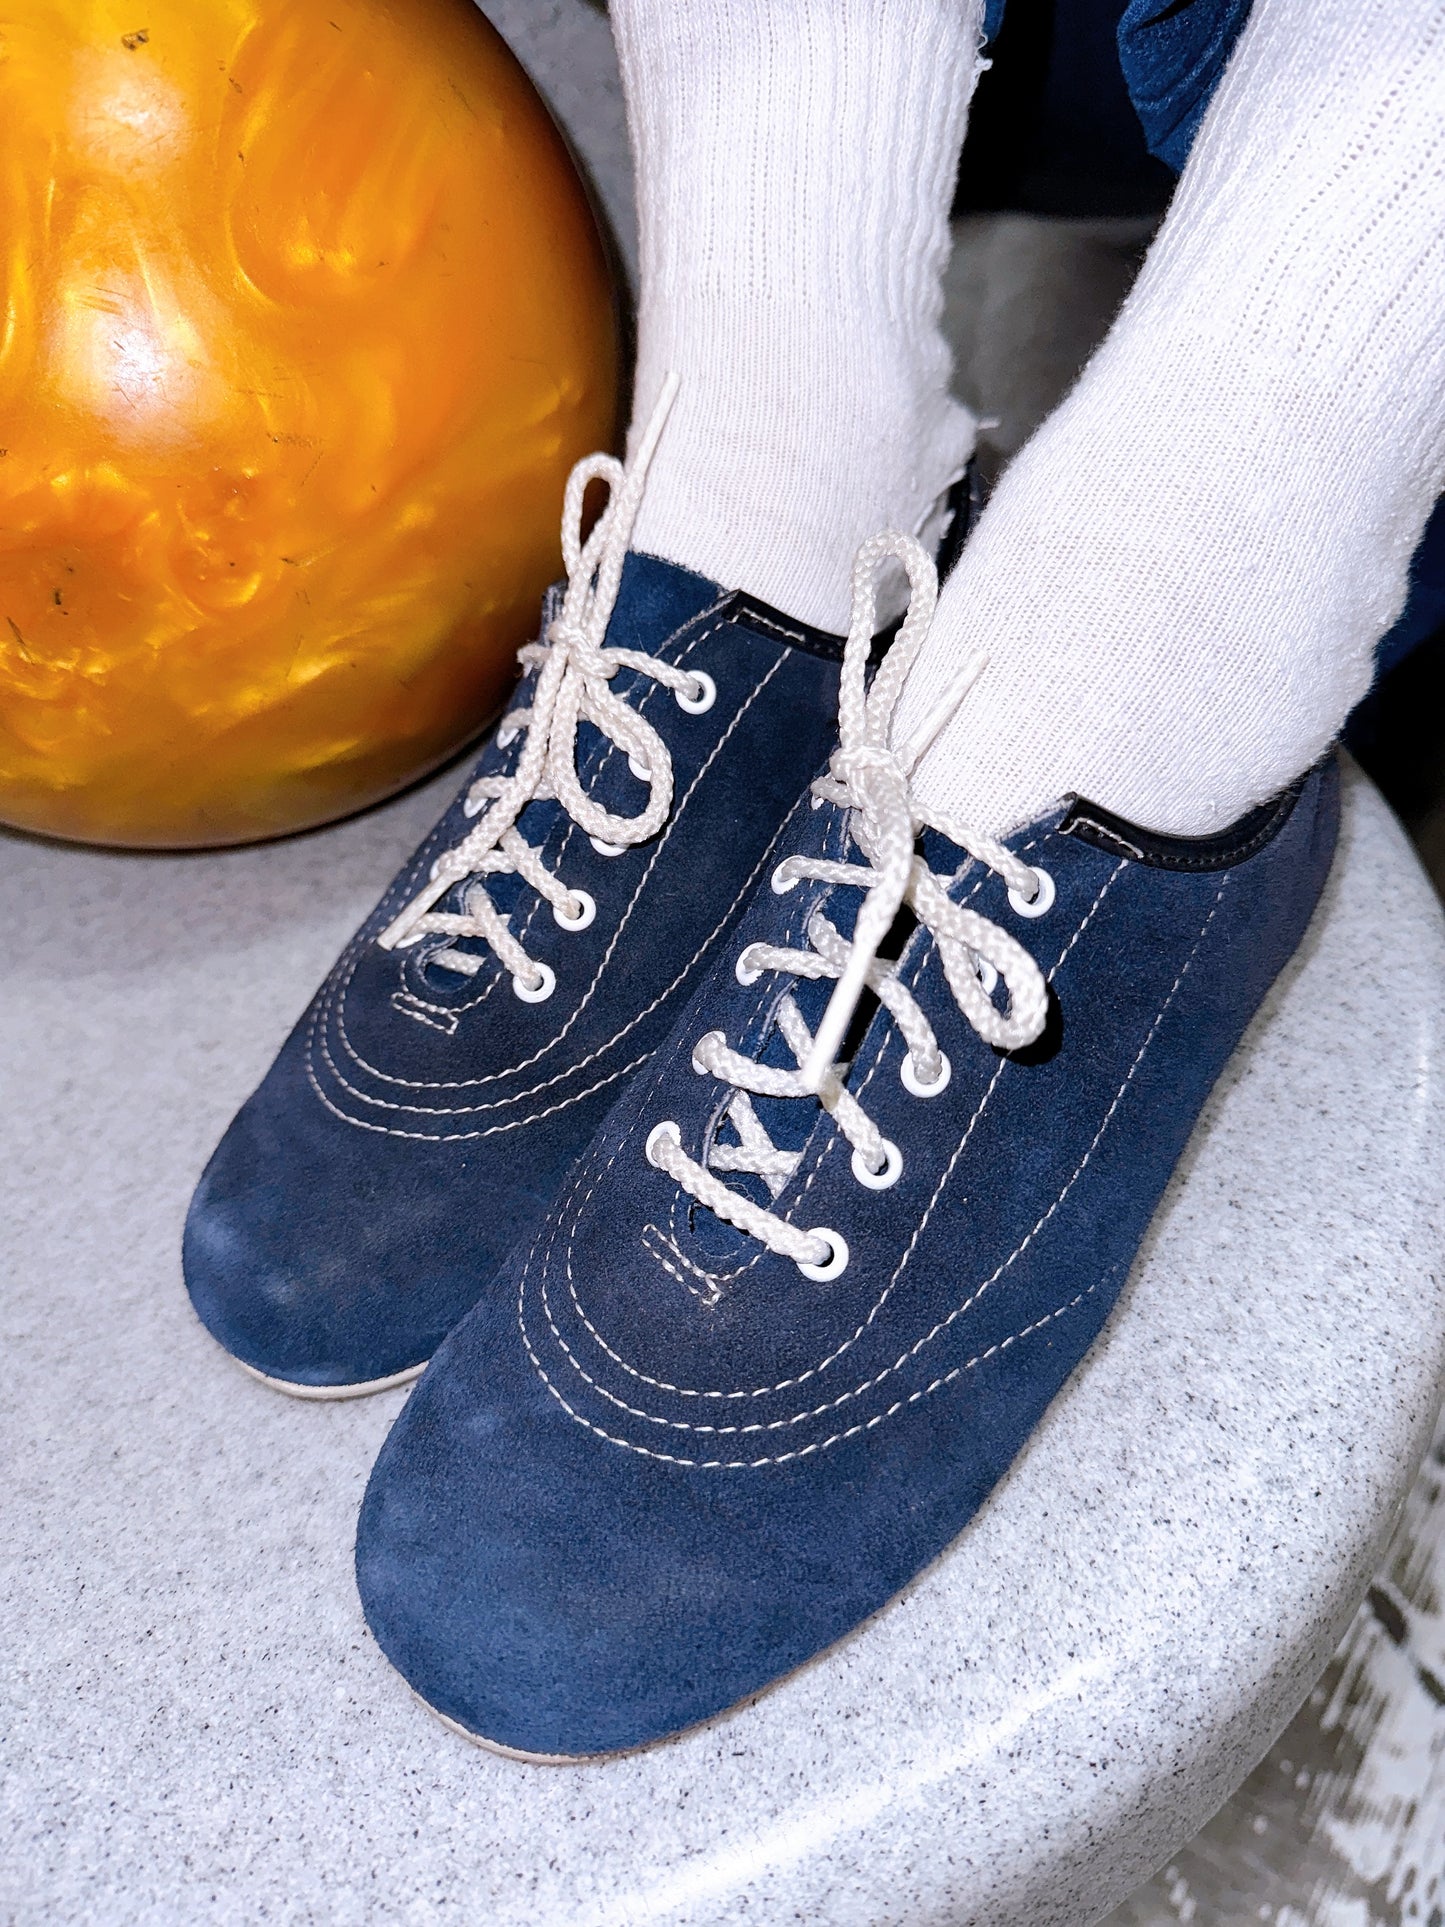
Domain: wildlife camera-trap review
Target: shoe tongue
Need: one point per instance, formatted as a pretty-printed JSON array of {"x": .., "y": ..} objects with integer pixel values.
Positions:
[
  {"x": 943, "y": 857},
  {"x": 789, "y": 1121},
  {"x": 656, "y": 598},
  {"x": 607, "y": 776}
]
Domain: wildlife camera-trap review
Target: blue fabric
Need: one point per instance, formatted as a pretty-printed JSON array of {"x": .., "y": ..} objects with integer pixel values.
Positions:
[
  {"x": 659, "y": 1468},
  {"x": 1089, "y": 135},
  {"x": 1173, "y": 53},
  {"x": 418, "y": 1121},
  {"x": 1051, "y": 129}
]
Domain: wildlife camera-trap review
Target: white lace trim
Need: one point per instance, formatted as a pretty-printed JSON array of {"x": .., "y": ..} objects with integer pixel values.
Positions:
[
  {"x": 869, "y": 777},
  {"x": 575, "y": 670}
]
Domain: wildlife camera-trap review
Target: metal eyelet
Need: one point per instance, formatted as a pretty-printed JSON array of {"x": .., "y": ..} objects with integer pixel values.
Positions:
[
  {"x": 639, "y": 770},
  {"x": 912, "y": 1083},
  {"x": 744, "y": 975},
  {"x": 587, "y": 910},
  {"x": 473, "y": 805},
  {"x": 1043, "y": 899},
  {"x": 608, "y": 849},
  {"x": 537, "y": 993},
  {"x": 833, "y": 1266},
  {"x": 781, "y": 884},
  {"x": 890, "y": 1174},
  {"x": 654, "y": 1134},
  {"x": 706, "y": 696},
  {"x": 986, "y": 974},
  {"x": 507, "y": 735}
]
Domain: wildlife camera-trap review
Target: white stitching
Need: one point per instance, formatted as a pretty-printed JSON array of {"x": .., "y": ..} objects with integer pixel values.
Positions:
[
  {"x": 938, "y": 1383},
  {"x": 492, "y": 1130},
  {"x": 818, "y": 1445},
  {"x": 316, "y": 1040},
  {"x": 609, "y": 751},
  {"x": 334, "y": 998},
  {"x": 708, "y": 1296},
  {"x": 1119, "y": 842},
  {"x": 801, "y": 1378},
  {"x": 420, "y": 1013}
]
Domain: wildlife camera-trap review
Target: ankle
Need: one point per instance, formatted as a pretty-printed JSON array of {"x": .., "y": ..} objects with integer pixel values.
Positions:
[{"x": 795, "y": 171}]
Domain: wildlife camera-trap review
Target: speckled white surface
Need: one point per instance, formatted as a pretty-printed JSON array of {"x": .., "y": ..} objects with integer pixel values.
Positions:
[{"x": 196, "y": 1726}]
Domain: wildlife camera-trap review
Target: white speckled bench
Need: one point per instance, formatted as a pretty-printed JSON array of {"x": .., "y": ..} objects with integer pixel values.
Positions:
[{"x": 196, "y": 1725}]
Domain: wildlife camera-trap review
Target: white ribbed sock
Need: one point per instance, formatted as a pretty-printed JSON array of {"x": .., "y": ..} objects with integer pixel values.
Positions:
[
  {"x": 1181, "y": 579},
  {"x": 795, "y": 164}
]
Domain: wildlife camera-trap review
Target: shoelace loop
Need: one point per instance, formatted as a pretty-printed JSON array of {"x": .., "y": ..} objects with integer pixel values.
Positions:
[
  {"x": 573, "y": 685},
  {"x": 869, "y": 776}
]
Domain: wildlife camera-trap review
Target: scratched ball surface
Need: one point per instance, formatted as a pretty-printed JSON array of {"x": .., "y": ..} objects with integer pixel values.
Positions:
[{"x": 306, "y": 318}]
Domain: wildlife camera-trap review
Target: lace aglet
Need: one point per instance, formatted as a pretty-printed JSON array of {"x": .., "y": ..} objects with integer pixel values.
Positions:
[
  {"x": 836, "y": 1019},
  {"x": 815, "y": 1071},
  {"x": 656, "y": 421},
  {"x": 916, "y": 745}
]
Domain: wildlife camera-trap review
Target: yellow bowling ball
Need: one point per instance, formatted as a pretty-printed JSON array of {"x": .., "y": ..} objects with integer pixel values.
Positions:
[{"x": 306, "y": 318}]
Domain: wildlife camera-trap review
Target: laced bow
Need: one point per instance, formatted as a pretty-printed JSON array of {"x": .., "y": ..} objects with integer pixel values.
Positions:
[
  {"x": 575, "y": 670},
  {"x": 869, "y": 776}
]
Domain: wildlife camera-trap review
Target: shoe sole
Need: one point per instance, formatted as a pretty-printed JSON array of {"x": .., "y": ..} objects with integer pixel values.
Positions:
[
  {"x": 293, "y": 1390},
  {"x": 595, "y": 1759},
  {"x": 515, "y": 1753}
]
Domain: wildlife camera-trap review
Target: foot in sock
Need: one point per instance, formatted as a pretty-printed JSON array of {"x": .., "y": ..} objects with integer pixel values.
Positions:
[
  {"x": 791, "y": 1317},
  {"x": 831, "y": 1256},
  {"x": 523, "y": 964},
  {"x": 1180, "y": 581},
  {"x": 528, "y": 958}
]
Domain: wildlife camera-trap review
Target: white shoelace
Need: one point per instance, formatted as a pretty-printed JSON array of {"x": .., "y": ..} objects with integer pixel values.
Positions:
[
  {"x": 869, "y": 777},
  {"x": 575, "y": 671}
]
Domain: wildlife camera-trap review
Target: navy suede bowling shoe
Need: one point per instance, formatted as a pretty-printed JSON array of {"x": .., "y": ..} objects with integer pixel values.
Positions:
[
  {"x": 815, "y": 1282},
  {"x": 523, "y": 964}
]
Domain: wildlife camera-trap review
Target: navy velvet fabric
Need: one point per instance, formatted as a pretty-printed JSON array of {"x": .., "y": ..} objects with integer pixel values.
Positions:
[
  {"x": 418, "y": 1121},
  {"x": 658, "y": 1467}
]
